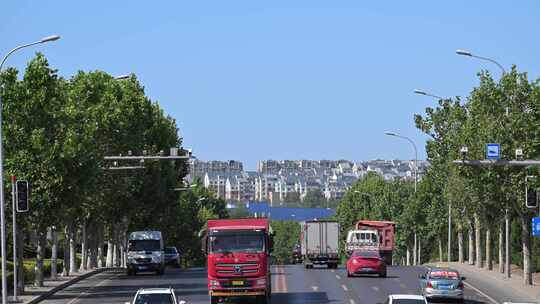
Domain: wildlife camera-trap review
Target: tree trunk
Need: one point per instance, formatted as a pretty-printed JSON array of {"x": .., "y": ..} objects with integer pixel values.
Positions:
[
  {"x": 99, "y": 246},
  {"x": 501, "y": 248},
  {"x": 65, "y": 271},
  {"x": 109, "y": 259},
  {"x": 460, "y": 243},
  {"x": 526, "y": 244},
  {"x": 440, "y": 250},
  {"x": 489, "y": 262},
  {"x": 419, "y": 252},
  {"x": 40, "y": 250},
  {"x": 415, "y": 250},
  {"x": 478, "y": 239},
  {"x": 54, "y": 253},
  {"x": 471, "y": 243},
  {"x": 408, "y": 256},
  {"x": 84, "y": 250},
  {"x": 72, "y": 249}
]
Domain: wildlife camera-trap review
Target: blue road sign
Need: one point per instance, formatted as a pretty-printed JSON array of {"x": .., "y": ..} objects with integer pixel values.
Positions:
[
  {"x": 536, "y": 226},
  {"x": 493, "y": 151}
]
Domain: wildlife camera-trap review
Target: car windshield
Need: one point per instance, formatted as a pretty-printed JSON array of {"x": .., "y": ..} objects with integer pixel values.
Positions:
[
  {"x": 444, "y": 274},
  {"x": 366, "y": 254},
  {"x": 144, "y": 245},
  {"x": 408, "y": 301},
  {"x": 170, "y": 250},
  {"x": 154, "y": 298},
  {"x": 236, "y": 241}
]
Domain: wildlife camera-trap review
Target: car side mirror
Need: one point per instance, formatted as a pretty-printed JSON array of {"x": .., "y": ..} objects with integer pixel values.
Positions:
[
  {"x": 463, "y": 278},
  {"x": 204, "y": 244}
]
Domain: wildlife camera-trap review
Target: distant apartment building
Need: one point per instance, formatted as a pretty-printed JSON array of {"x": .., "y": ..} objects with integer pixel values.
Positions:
[{"x": 279, "y": 180}]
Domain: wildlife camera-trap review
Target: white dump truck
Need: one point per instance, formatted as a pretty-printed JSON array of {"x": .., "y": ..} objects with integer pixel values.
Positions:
[
  {"x": 358, "y": 239},
  {"x": 145, "y": 252}
]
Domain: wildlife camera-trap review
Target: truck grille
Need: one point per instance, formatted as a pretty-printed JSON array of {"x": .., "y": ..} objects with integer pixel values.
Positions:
[
  {"x": 143, "y": 260},
  {"x": 237, "y": 268}
]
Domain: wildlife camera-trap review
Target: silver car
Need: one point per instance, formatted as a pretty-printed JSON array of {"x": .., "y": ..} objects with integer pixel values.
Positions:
[{"x": 442, "y": 283}]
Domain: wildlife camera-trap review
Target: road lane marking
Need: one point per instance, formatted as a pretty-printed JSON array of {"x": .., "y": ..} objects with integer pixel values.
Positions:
[
  {"x": 86, "y": 291},
  {"x": 352, "y": 301},
  {"x": 338, "y": 277},
  {"x": 344, "y": 287},
  {"x": 315, "y": 288},
  {"x": 480, "y": 292},
  {"x": 332, "y": 270},
  {"x": 375, "y": 288}
]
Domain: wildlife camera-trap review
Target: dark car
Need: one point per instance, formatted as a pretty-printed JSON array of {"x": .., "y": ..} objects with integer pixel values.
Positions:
[
  {"x": 172, "y": 256},
  {"x": 366, "y": 261},
  {"x": 442, "y": 283},
  {"x": 297, "y": 254}
]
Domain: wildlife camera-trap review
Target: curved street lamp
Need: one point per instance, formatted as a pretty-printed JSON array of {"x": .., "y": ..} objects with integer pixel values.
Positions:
[
  {"x": 415, "y": 154},
  {"x": 2, "y": 222},
  {"x": 420, "y": 92},
  {"x": 469, "y": 54}
]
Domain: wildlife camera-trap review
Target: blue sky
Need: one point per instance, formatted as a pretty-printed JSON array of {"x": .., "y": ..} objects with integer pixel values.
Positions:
[{"x": 252, "y": 80}]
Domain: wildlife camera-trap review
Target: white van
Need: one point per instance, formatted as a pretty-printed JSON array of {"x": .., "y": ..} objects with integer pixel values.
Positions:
[{"x": 145, "y": 252}]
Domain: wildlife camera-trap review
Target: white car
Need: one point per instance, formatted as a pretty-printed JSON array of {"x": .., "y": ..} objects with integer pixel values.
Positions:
[
  {"x": 405, "y": 299},
  {"x": 156, "y": 296}
]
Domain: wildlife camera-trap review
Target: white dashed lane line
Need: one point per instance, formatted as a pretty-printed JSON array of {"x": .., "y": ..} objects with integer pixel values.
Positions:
[
  {"x": 338, "y": 277},
  {"x": 352, "y": 301},
  {"x": 344, "y": 287},
  {"x": 375, "y": 288}
]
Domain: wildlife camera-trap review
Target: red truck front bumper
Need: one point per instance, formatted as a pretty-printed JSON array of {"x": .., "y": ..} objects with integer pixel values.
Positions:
[{"x": 236, "y": 287}]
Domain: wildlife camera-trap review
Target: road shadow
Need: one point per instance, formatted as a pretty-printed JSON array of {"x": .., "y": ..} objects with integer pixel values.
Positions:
[{"x": 301, "y": 297}]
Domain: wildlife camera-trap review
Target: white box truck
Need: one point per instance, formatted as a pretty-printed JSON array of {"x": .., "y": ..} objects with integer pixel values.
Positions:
[
  {"x": 145, "y": 252},
  {"x": 319, "y": 242}
]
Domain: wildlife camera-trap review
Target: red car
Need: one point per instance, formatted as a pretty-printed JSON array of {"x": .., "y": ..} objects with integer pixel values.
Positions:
[{"x": 366, "y": 262}]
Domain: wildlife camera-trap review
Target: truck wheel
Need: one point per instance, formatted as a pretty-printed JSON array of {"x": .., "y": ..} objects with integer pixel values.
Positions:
[
  {"x": 262, "y": 299},
  {"x": 214, "y": 300}
]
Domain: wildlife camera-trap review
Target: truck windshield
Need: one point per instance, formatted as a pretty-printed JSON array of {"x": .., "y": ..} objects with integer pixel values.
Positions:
[
  {"x": 144, "y": 245},
  {"x": 236, "y": 241}
]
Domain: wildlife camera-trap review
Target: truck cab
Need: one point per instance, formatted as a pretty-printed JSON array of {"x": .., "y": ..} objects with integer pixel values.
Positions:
[
  {"x": 362, "y": 239},
  {"x": 145, "y": 252},
  {"x": 238, "y": 253}
]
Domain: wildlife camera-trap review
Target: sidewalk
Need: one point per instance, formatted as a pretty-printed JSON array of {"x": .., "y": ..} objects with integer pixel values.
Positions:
[
  {"x": 33, "y": 295},
  {"x": 494, "y": 284}
]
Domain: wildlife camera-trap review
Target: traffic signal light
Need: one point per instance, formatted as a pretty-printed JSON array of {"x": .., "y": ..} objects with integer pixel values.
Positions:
[
  {"x": 23, "y": 196},
  {"x": 531, "y": 197}
]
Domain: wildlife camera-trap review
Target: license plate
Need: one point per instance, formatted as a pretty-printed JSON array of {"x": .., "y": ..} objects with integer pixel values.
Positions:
[
  {"x": 237, "y": 283},
  {"x": 366, "y": 269},
  {"x": 444, "y": 292},
  {"x": 143, "y": 267},
  {"x": 444, "y": 286}
]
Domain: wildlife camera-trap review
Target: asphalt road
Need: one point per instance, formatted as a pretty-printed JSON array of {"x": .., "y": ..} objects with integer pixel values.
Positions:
[{"x": 290, "y": 284}]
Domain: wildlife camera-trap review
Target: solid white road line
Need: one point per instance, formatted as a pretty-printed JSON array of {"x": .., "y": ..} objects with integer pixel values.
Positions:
[
  {"x": 84, "y": 293},
  {"x": 344, "y": 287},
  {"x": 480, "y": 292}
]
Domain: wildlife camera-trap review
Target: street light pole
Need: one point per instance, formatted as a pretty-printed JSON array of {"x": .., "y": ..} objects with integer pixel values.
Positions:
[
  {"x": 415, "y": 181},
  {"x": 506, "y": 218},
  {"x": 2, "y": 211},
  {"x": 415, "y": 154},
  {"x": 449, "y": 250}
]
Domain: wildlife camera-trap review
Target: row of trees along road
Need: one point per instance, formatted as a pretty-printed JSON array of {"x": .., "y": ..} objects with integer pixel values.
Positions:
[
  {"x": 480, "y": 197},
  {"x": 57, "y": 132}
]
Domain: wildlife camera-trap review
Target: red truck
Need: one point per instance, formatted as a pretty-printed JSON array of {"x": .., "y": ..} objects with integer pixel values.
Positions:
[
  {"x": 238, "y": 256},
  {"x": 385, "y": 234}
]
